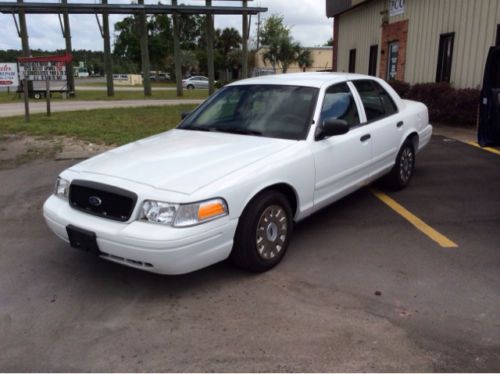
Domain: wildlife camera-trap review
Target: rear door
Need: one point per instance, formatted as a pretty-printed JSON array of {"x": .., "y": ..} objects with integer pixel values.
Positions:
[
  {"x": 382, "y": 122},
  {"x": 342, "y": 162}
]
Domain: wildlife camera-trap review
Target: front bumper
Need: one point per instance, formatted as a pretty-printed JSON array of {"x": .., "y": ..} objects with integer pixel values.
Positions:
[{"x": 147, "y": 246}]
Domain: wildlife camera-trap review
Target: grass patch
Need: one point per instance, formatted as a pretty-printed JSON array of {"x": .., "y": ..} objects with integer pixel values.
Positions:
[
  {"x": 103, "y": 84},
  {"x": 119, "y": 95},
  {"x": 109, "y": 126}
]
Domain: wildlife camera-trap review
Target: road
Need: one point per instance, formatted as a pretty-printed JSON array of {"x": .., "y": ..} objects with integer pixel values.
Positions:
[
  {"x": 360, "y": 289},
  {"x": 17, "y": 109}
]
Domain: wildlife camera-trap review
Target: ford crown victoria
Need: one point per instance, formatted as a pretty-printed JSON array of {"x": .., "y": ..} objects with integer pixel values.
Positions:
[{"x": 232, "y": 179}]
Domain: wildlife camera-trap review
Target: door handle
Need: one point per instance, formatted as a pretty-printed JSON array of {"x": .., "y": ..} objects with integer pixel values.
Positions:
[
  {"x": 364, "y": 138},
  {"x": 401, "y": 123}
]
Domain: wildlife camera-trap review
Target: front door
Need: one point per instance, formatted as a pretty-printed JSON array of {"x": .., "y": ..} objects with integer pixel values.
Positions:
[
  {"x": 342, "y": 162},
  {"x": 392, "y": 64}
]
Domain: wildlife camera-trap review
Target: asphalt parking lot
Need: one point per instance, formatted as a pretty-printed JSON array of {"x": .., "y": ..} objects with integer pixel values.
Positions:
[{"x": 361, "y": 289}]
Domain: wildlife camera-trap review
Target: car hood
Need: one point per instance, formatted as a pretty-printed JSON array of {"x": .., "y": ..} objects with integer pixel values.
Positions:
[{"x": 182, "y": 161}]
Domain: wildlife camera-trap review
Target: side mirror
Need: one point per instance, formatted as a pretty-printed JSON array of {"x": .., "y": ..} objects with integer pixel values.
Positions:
[
  {"x": 331, "y": 127},
  {"x": 185, "y": 114}
]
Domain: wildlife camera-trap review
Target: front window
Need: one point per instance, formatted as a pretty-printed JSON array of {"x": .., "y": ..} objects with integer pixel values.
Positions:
[
  {"x": 276, "y": 111},
  {"x": 339, "y": 104}
]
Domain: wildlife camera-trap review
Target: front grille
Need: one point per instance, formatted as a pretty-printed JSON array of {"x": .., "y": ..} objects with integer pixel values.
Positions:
[{"x": 102, "y": 200}]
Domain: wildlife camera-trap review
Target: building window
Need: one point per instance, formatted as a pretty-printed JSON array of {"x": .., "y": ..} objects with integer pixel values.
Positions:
[
  {"x": 497, "y": 43},
  {"x": 445, "y": 57},
  {"x": 352, "y": 61},
  {"x": 392, "y": 63},
  {"x": 372, "y": 63}
]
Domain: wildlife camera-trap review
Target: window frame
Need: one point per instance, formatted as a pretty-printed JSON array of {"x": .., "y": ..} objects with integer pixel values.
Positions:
[
  {"x": 354, "y": 98},
  {"x": 352, "y": 61},
  {"x": 373, "y": 58},
  {"x": 440, "y": 72},
  {"x": 372, "y": 81}
]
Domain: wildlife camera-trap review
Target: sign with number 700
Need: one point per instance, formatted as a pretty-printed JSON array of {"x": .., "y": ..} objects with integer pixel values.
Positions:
[{"x": 396, "y": 7}]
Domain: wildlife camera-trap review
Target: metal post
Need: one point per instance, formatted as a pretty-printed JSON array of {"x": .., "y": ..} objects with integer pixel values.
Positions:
[
  {"x": 26, "y": 101},
  {"x": 69, "y": 49},
  {"x": 47, "y": 95},
  {"x": 245, "y": 43},
  {"x": 146, "y": 66},
  {"x": 177, "y": 51},
  {"x": 108, "y": 63},
  {"x": 210, "y": 49}
]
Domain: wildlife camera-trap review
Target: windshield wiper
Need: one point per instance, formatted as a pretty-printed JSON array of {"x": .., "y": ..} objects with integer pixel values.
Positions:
[{"x": 236, "y": 130}]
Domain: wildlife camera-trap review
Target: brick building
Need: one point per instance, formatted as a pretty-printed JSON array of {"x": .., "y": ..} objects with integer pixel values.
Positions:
[{"x": 416, "y": 41}]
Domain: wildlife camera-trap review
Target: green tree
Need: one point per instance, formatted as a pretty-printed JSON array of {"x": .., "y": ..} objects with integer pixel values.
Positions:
[
  {"x": 304, "y": 59},
  {"x": 281, "y": 49}
]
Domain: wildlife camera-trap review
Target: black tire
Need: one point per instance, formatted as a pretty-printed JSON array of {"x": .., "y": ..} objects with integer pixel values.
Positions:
[
  {"x": 402, "y": 171},
  {"x": 247, "y": 253},
  {"x": 37, "y": 96},
  {"x": 190, "y": 87}
]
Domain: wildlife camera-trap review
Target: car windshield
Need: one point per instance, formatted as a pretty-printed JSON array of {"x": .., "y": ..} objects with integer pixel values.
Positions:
[{"x": 278, "y": 111}]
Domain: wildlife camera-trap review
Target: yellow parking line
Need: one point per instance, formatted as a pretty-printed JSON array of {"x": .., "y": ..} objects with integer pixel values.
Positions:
[
  {"x": 488, "y": 149},
  {"x": 439, "y": 238}
]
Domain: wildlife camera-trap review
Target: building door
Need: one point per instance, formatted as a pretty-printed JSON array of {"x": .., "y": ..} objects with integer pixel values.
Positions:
[
  {"x": 445, "y": 56},
  {"x": 392, "y": 63},
  {"x": 497, "y": 43},
  {"x": 352, "y": 61},
  {"x": 372, "y": 63}
]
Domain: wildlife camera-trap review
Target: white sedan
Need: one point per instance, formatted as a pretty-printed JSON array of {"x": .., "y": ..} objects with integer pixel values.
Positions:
[{"x": 232, "y": 179}]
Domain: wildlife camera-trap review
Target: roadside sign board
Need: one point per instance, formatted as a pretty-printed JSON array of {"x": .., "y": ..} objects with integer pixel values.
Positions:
[
  {"x": 8, "y": 75},
  {"x": 42, "y": 71},
  {"x": 52, "y": 68}
]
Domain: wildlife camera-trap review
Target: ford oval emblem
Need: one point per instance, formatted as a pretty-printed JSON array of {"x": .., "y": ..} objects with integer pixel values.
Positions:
[{"x": 95, "y": 201}]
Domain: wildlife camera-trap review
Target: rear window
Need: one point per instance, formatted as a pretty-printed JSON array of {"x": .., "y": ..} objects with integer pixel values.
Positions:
[{"x": 376, "y": 100}]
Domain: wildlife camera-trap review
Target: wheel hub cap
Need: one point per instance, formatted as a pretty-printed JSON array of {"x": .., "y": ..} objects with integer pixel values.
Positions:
[
  {"x": 272, "y": 231},
  {"x": 406, "y": 165}
]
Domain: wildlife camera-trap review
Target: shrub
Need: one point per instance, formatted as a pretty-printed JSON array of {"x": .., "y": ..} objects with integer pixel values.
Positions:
[
  {"x": 220, "y": 84},
  {"x": 447, "y": 105},
  {"x": 402, "y": 88}
]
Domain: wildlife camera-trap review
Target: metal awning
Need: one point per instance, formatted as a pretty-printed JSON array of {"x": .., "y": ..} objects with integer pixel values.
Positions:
[{"x": 55, "y": 8}]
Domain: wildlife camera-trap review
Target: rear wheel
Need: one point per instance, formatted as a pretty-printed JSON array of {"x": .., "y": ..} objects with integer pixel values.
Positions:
[
  {"x": 403, "y": 169},
  {"x": 263, "y": 232}
]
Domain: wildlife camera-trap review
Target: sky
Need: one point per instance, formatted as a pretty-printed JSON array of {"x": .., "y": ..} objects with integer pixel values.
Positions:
[{"x": 306, "y": 18}]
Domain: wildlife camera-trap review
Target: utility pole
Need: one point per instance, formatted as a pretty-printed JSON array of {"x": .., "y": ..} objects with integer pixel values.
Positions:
[
  {"x": 23, "y": 30},
  {"x": 146, "y": 66},
  {"x": 210, "y": 49},
  {"x": 69, "y": 49},
  {"x": 108, "y": 63},
  {"x": 245, "y": 42},
  {"x": 23, "y": 33},
  {"x": 177, "y": 51}
]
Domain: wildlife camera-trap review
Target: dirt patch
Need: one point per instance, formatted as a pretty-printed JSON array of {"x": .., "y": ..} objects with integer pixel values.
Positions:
[{"x": 20, "y": 149}]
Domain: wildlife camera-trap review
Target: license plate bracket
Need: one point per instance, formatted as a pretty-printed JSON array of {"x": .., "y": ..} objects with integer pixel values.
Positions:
[{"x": 83, "y": 240}]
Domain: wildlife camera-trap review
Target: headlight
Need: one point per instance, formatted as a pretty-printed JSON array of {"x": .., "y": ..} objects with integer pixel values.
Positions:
[
  {"x": 183, "y": 215},
  {"x": 62, "y": 188}
]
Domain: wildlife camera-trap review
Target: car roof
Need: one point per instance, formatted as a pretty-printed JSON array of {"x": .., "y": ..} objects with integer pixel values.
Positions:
[{"x": 303, "y": 79}]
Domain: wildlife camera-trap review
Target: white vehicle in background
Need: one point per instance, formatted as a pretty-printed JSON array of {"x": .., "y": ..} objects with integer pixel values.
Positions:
[
  {"x": 232, "y": 179},
  {"x": 196, "y": 81}
]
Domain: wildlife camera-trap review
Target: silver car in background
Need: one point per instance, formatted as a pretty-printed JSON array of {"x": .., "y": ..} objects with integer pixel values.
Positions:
[{"x": 196, "y": 81}]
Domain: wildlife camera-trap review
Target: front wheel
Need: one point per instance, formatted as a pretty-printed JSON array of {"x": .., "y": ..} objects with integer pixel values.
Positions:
[
  {"x": 263, "y": 232},
  {"x": 403, "y": 169},
  {"x": 190, "y": 87}
]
